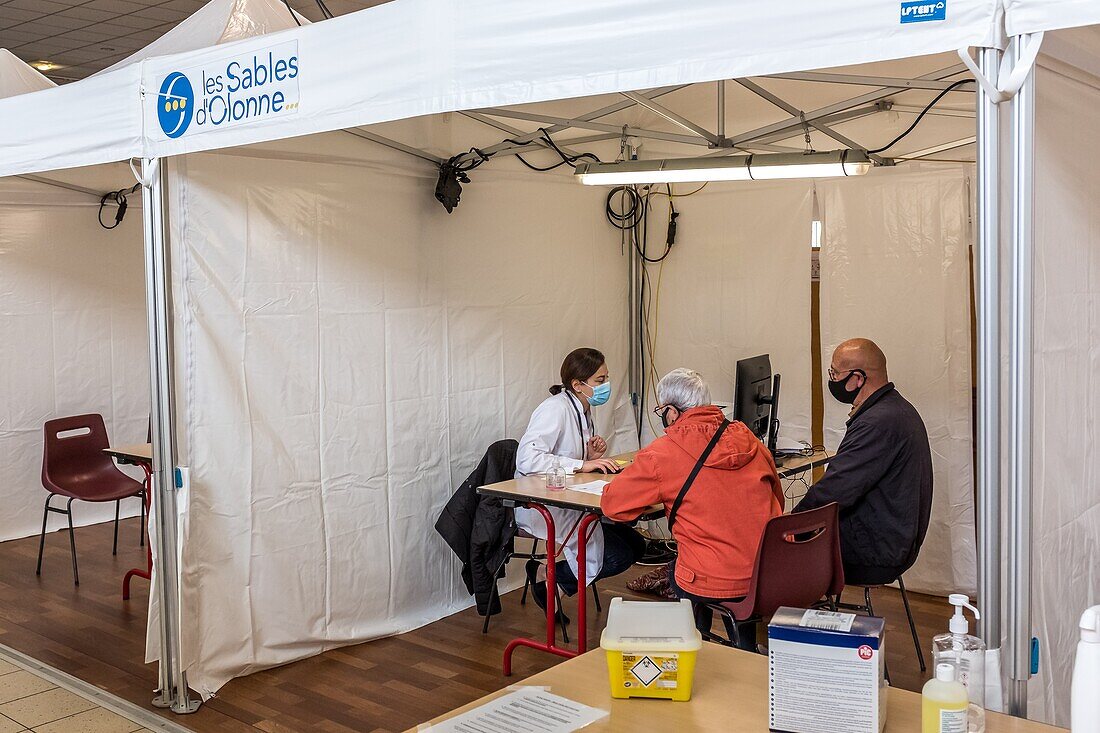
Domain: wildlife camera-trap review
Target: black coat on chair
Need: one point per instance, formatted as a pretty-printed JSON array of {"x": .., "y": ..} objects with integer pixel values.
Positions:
[{"x": 480, "y": 529}]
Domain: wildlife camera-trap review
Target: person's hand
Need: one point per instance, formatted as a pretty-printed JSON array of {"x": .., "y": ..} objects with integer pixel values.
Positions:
[
  {"x": 597, "y": 447},
  {"x": 599, "y": 465}
]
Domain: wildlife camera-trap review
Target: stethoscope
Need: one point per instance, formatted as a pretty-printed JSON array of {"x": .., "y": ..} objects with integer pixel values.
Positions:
[{"x": 573, "y": 400}]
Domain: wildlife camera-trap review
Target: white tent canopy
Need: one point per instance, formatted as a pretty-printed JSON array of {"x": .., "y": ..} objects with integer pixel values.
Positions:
[
  {"x": 371, "y": 66},
  {"x": 218, "y": 22},
  {"x": 19, "y": 77},
  {"x": 423, "y": 59}
]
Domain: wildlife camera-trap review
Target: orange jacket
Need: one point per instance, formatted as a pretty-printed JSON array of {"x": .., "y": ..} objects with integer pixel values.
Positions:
[{"x": 721, "y": 520}]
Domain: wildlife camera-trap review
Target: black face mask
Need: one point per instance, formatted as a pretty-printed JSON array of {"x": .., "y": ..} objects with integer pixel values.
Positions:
[
  {"x": 839, "y": 389},
  {"x": 664, "y": 418}
]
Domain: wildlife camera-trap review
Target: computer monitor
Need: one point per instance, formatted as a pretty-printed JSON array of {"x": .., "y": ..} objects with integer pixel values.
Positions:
[{"x": 756, "y": 398}]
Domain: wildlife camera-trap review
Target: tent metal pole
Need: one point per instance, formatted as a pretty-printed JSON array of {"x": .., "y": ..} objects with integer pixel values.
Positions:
[
  {"x": 893, "y": 82},
  {"x": 1019, "y": 540},
  {"x": 173, "y": 691},
  {"x": 721, "y": 108},
  {"x": 989, "y": 355}
]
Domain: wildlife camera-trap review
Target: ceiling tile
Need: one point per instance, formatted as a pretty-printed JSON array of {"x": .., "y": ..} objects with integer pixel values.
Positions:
[
  {"x": 38, "y": 6},
  {"x": 14, "y": 16},
  {"x": 136, "y": 21},
  {"x": 85, "y": 13},
  {"x": 115, "y": 7},
  {"x": 161, "y": 14}
]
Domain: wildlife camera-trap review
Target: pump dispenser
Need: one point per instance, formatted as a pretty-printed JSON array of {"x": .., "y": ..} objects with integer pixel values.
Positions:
[
  {"x": 966, "y": 654},
  {"x": 1084, "y": 701}
]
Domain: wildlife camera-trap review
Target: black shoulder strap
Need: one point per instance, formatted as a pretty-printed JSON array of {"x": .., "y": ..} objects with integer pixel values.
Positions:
[{"x": 695, "y": 472}]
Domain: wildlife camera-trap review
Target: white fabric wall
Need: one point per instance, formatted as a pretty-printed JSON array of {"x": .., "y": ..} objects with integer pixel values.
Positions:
[
  {"x": 73, "y": 338},
  {"x": 894, "y": 268},
  {"x": 348, "y": 351},
  {"x": 1066, "y": 503},
  {"x": 737, "y": 284}
]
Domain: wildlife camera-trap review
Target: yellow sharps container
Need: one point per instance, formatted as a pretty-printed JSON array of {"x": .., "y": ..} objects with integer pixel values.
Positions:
[{"x": 651, "y": 649}]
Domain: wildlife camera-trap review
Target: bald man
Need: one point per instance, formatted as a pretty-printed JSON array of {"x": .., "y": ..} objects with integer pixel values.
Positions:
[{"x": 881, "y": 476}]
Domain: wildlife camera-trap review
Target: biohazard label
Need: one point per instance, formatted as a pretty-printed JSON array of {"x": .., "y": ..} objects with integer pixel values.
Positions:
[{"x": 651, "y": 670}]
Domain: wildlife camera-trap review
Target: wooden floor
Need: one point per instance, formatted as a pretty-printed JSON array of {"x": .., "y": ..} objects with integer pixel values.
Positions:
[{"x": 385, "y": 685}]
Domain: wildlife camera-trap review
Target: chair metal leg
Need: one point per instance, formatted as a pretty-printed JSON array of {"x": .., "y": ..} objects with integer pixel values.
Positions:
[
  {"x": 72, "y": 542},
  {"x": 561, "y": 622},
  {"x": 527, "y": 582},
  {"x": 141, "y": 529},
  {"x": 912, "y": 626},
  {"x": 114, "y": 547},
  {"x": 42, "y": 537}
]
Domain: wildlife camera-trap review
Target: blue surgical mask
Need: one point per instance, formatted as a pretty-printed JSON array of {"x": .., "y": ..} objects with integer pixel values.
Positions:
[{"x": 601, "y": 393}]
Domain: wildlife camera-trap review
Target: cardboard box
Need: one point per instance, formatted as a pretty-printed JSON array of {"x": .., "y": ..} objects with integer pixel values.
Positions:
[{"x": 826, "y": 672}]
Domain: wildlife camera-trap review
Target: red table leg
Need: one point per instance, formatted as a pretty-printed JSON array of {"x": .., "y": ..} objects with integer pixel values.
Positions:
[
  {"x": 582, "y": 580},
  {"x": 137, "y": 572},
  {"x": 552, "y": 592},
  {"x": 551, "y": 601}
]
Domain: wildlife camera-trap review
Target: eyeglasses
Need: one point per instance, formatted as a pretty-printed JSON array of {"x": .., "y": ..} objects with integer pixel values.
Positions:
[{"x": 834, "y": 375}]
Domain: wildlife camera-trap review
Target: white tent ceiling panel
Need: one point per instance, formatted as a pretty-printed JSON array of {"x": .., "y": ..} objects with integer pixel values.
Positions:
[
  {"x": 410, "y": 58},
  {"x": 19, "y": 77},
  {"x": 1031, "y": 16}
]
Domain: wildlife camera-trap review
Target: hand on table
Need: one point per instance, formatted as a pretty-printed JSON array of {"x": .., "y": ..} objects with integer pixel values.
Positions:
[
  {"x": 597, "y": 447},
  {"x": 599, "y": 465}
]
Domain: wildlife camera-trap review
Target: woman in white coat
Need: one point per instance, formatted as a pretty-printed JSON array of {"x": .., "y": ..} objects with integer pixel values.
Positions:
[{"x": 562, "y": 430}]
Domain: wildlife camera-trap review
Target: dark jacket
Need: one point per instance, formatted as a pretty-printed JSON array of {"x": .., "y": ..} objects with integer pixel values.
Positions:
[
  {"x": 881, "y": 477},
  {"x": 480, "y": 529}
]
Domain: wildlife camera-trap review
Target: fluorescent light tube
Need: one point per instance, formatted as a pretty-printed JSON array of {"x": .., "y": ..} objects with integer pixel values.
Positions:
[{"x": 733, "y": 168}]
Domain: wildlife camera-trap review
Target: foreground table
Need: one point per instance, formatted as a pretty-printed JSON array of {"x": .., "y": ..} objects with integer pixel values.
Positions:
[
  {"x": 730, "y": 694},
  {"x": 141, "y": 455}
]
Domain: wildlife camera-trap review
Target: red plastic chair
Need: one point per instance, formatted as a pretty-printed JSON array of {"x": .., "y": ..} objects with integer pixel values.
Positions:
[
  {"x": 798, "y": 564},
  {"x": 75, "y": 466}
]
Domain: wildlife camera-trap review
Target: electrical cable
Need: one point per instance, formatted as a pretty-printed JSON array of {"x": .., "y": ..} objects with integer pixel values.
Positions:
[
  {"x": 119, "y": 197},
  {"x": 324, "y": 9},
  {"x": 923, "y": 112}
]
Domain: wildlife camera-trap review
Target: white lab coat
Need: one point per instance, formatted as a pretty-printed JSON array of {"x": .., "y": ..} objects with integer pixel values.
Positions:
[{"x": 559, "y": 427}]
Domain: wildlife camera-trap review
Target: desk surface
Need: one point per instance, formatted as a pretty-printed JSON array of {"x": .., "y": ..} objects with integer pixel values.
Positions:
[
  {"x": 730, "y": 685},
  {"x": 142, "y": 452},
  {"x": 533, "y": 488},
  {"x": 788, "y": 466}
]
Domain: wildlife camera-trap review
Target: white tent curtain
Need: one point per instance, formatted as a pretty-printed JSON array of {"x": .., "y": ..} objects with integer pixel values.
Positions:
[
  {"x": 894, "y": 268},
  {"x": 347, "y": 352},
  {"x": 1066, "y": 504},
  {"x": 72, "y": 338},
  {"x": 737, "y": 284}
]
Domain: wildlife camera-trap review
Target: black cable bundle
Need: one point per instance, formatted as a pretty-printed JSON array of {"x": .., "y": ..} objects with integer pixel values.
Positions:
[
  {"x": 118, "y": 197},
  {"x": 453, "y": 173}
]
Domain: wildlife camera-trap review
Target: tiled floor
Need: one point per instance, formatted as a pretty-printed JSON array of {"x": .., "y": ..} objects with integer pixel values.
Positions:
[{"x": 32, "y": 703}]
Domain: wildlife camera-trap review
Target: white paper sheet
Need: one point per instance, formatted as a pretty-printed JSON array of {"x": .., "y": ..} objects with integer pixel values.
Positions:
[
  {"x": 525, "y": 710},
  {"x": 590, "y": 487}
]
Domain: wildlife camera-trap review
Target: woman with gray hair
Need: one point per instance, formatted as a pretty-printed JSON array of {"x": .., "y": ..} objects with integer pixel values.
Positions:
[{"x": 717, "y": 483}]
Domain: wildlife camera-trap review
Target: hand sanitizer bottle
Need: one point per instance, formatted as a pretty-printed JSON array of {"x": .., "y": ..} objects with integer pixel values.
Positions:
[
  {"x": 944, "y": 702},
  {"x": 1085, "y": 692},
  {"x": 555, "y": 480},
  {"x": 966, "y": 654}
]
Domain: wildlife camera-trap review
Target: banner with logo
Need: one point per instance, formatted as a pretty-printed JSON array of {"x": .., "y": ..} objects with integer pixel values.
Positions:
[
  {"x": 418, "y": 57},
  {"x": 240, "y": 88}
]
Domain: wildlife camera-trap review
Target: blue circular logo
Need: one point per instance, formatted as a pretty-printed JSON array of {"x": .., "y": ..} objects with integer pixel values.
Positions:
[{"x": 175, "y": 104}]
